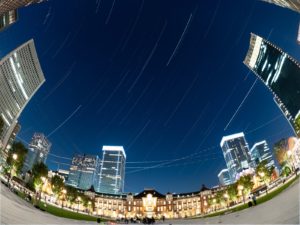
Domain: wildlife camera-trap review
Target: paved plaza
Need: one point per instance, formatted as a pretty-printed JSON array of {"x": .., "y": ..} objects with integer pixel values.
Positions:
[{"x": 283, "y": 209}]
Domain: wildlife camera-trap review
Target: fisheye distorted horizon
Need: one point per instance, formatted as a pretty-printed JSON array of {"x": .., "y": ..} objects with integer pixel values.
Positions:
[{"x": 161, "y": 78}]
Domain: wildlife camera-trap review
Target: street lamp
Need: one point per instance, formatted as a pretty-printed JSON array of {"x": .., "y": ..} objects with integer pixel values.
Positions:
[
  {"x": 89, "y": 203},
  {"x": 78, "y": 199},
  {"x": 241, "y": 188},
  {"x": 226, "y": 196},
  {"x": 214, "y": 203},
  {"x": 64, "y": 191},
  {"x": 262, "y": 175},
  {"x": 14, "y": 157}
]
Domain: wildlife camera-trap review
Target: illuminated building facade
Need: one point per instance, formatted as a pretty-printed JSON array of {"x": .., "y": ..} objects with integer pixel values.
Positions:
[
  {"x": 112, "y": 172},
  {"x": 83, "y": 171},
  {"x": 298, "y": 37},
  {"x": 7, "y": 19},
  {"x": 224, "y": 177},
  {"x": 150, "y": 203},
  {"x": 293, "y": 151},
  {"x": 260, "y": 152},
  {"x": 291, "y": 4},
  {"x": 9, "y": 5},
  {"x": 38, "y": 150},
  {"x": 279, "y": 72},
  {"x": 20, "y": 77},
  {"x": 236, "y": 154}
]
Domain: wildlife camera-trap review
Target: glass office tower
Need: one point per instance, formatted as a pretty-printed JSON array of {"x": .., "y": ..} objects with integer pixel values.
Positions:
[
  {"x": 236, "y": 154},
  {"x": 38, "y": 150},
  {"x": 224, "y": 177},
  {"x": 8, "y": 5},
  {"x": 7, "y": 19},
  {"x": 112, "y": 173},
  {"x": 260, "y": 152},
  {"x": 291, "y": 4},
  {"x": 20, "y": 77},
  {"x": 278, "y": 71},
  {"x": 83, "y": 171}
]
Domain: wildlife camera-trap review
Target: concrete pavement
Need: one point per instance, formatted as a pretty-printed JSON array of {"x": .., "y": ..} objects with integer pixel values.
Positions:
[{"x": 283, "y": 209}]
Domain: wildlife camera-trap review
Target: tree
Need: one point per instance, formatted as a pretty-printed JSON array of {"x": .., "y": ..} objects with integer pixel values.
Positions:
[
  {"x": 280, "y": 151},
  {"x": 246, "y": 183},
  {"x": 232, "y": 192},
  {"x": 20, "y": 150},
  {"x": 263, "y": 171},
  {"x": 72, "y": 194},
  {"x": 220, "y": 198},
  {"x": 57, "y": 185},
  {"x": 297, "y": 125},
  {"x": 286, "y": 170},
  {"x": 39, "y": 170}
]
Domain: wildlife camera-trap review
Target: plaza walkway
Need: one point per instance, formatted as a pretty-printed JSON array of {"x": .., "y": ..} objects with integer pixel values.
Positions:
[{"x": 283, "y": 209}]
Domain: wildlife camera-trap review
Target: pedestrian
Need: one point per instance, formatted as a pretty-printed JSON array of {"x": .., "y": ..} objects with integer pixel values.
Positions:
[{"x": 254, "y": 199}]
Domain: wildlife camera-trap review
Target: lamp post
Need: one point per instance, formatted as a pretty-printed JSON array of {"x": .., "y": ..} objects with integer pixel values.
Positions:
[
  {"x": 241, "y": 188},
  {"x": 89, "y": 203},
  {"x": 64, "y": 192},
  {"x": 214, "y": 202},
  {"x": 262, "y": 175},
  {"x": 226, "y": 196},
  {"x": 78, "y": 199},
  {"x": 14, "y": 157}
]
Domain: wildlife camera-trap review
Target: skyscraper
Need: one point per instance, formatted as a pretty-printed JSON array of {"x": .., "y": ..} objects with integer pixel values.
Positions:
[
  {"x": 83, "y": 171},
  {"x": 112, "y": 173},
  {"x": 20, "y": 77},
  {"x": 8, "y": 18},
  {"x": 38, "y": 150},
  {"x": 224, "y": 177},
  {"x": 279, "y": 72},
  {"x": 5, "y": 152},
  {"x": 260, "y": 152},
  {"x": 291, "y": 4},
  {"x": 236, "y": 154},
  {"x": 9, "y": 5},
  {"x": 298, "y": 36}
]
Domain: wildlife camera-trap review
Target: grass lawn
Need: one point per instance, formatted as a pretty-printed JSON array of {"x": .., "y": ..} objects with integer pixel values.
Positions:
[
  {"x": 66, "y": 213},
  {"x": 259, "y": 200}
]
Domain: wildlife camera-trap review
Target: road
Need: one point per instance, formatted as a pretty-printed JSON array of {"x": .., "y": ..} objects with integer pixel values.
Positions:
[{"x": 283, "y": 209}]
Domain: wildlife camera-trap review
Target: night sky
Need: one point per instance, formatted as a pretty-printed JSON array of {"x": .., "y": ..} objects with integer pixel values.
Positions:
[{"x": 161, "y": 78}]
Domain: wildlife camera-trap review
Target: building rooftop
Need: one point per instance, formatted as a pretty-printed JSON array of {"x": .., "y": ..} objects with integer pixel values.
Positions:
[
  {"x": 230, "y": 137},
  {"x": 114, "y": 148}
]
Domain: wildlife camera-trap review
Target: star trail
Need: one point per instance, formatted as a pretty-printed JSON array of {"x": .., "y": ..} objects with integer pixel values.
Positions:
[{"x": 164, "y": 79}]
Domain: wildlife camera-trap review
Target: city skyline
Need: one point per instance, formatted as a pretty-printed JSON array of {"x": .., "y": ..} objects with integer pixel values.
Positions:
[{"x": 159, "y": 107}]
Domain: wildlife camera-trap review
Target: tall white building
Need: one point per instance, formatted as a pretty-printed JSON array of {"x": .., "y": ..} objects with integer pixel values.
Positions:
[
  {"x": 8, "y": 5},
  {"x": 279, "y": 72},
  {"x": 290, "y": 4},
  {"x": 20, "y": 77},
  {"x": 236, "y": 154},
  {"x": 8, "y": 18},
  {"x": 112, "y": 172}
]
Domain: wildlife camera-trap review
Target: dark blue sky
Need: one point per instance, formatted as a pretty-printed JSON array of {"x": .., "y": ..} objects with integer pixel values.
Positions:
[{"x": 161, "y": 78}]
